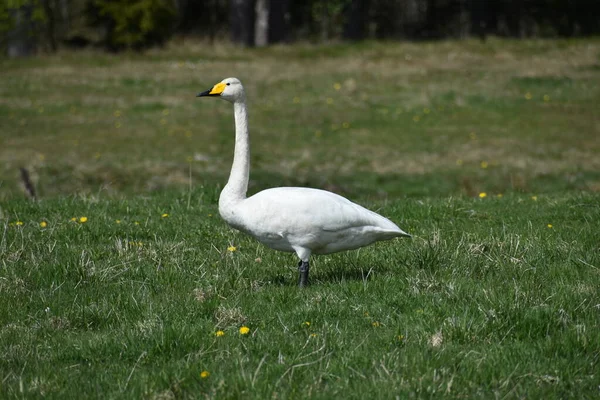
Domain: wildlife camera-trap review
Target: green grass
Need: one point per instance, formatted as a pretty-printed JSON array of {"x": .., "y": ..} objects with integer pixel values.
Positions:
[{"x": 496, "y": 296}]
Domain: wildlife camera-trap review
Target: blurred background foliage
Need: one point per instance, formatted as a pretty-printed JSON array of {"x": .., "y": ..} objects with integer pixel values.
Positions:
[{"x": 30, "y": 26}]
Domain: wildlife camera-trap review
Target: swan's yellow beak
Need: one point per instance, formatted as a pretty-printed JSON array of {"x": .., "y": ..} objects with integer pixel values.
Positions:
[{"x": 215, "y": 91}]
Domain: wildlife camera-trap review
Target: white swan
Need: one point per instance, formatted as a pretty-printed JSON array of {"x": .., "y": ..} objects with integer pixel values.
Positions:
[{"x": 291, "y": 219}]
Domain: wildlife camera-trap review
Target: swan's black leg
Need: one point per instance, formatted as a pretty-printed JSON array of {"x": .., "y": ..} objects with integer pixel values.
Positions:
[{"x": 303, "y": 273}]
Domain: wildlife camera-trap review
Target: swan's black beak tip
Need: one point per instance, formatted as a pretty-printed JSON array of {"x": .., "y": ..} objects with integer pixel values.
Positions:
[{"x": 202, "y": 94}]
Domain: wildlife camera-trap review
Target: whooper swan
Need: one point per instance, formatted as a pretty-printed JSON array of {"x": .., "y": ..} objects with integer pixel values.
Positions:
[{"x": 291, "y": 219}]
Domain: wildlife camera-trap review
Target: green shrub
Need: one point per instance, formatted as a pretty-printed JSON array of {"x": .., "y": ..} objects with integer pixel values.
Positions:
[{"x": 137, "y": 23}]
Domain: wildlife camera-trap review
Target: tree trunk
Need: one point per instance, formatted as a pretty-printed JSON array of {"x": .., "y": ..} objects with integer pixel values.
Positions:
[
  {"x": 357, "y": 15},
  {"x": 242, "y": 22},
  {"x": 278, "y": 20},
  {"x": 20, "y": 42},
  {"x": 261, "y": 29}
]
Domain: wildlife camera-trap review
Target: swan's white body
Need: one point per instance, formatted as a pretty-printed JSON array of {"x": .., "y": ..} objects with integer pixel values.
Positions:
[{"x": 291, "y": 219}]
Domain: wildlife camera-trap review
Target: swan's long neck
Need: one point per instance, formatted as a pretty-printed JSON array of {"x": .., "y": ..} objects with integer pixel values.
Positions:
[{"x": 237, "y": 185}]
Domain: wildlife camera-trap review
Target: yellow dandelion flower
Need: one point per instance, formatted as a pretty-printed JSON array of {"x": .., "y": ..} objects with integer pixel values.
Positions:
[
  {"x": 83, "y": 220},
  {"x": 546, "y": 98},
  {"x": 136, "y": 223},
  {"x": 366, "y": 313},
  {"x": 313, "y": 335},
  {"x": 232, "y": 248},
  {"x": 499, "y": 195},
  {"x": 416, "y": 118},
  {"x": 204, "y": 374},
  {"x": 346, "y": 125},
  {"x": 43, "y": 224},
  {"x": 484, "y": 164},
  {"x": 482, "y": 195},
  {"x": 117, "y": 113},
  {"x": 329, "y": 100},
  {"x": 528, "y": 96},
  {"x": 118, "y": 221},
  {"x": 117, "y": 124},
  {"x": 19, "y": 223},
  {"x": 189, "y": 159},
  {"x": 165, "y": 215},
  {"x": 337, "y": 86},
  {"x": 41, "y": 110},
  {"x": 376, "y": 324},
  {"x": 296, "y": 100},
  {"x": 219, "y": 333},
  {"x": 400, "y": 337},
  {"x": 426, "y": 111},
  {"x": 244, "y": 330},
  {"x": 210, "y": 215},
  {"x": 550, "y": 226},
  {"x": 74, "y": 219},
  {"x": 459, "y": 162},
  {"x": 306, "y": 323},
  {"x": 165, "y": 112},
  {"x": 534, "y": 198}
]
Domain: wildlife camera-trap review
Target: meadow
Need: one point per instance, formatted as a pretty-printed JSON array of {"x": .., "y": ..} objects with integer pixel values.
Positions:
[{"x": 122, "y": 281}]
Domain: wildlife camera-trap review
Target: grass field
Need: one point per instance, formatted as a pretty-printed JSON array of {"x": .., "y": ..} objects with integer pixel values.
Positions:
[{"x": 123, "y": 282}]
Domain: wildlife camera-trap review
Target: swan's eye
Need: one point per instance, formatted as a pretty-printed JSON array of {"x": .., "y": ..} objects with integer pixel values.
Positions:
[{"x": 228, "y": 84}]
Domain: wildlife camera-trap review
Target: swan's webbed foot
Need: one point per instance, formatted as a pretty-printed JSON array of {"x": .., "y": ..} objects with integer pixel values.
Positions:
[{"x": 303, "y": 268}]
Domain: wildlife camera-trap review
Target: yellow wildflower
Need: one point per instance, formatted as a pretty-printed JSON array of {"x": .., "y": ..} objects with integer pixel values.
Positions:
[
  {"x": 484, "y": 164},
  {"x": 337, "y": 86},
  {"x": 231, "y": 248},
  {"x": 117, "y": 113},
  {"x": 19, "y": 223},
  {"x": 165, "y": 215},
  {"x": 165, "y": 112},
  {"x": 528, "y": 96},
  {"x": 473, "y": 136},
  {"x": 459, "y": 162},
  {"x": 188, "y": 134},
  {"x": 534, "y": 198},
  {"x": 426, "y": 110},
  {"x": 219, "y": 333},
  {"x": 83, "y": 220},
  {"x": 400, "y": 337},
  {"x": 244, "y": 330},
  {"x": 546, "y": 98},
  {"x": 346, "y": 125},
  {"x": 499, "y": 195},
  {"x": 306, "y": 323},
  {"x": 43, "y": 224},
  {"x": 117, "y": 124},
  {"x": 550, "y": 226},
  {"x": 74, "y": 219},
  {"x": 329, "y": 100},
  {"x": 416, "y": 118},
  {"x": 318, "y": 133},
  {"x": 313, "y": 335},
  {"x": 296, "y": 100},
  {"x": 204, "y": 374},
  {"x": 118, "y": 221},
  {"x": 376, "y": 324},
  {"x": 482, "y": 195},
  {"x": 136, "y": 223}
]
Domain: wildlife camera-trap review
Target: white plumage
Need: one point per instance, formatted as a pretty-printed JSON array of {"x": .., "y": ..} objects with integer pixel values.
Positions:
[{"x": 292, "y": 219}]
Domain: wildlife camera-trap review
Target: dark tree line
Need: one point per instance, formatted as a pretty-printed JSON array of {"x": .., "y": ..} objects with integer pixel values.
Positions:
[{"x": 26, "y": 25}]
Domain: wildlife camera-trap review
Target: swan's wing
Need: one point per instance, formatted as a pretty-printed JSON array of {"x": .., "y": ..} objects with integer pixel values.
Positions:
[{"x": 305, "y": 209}]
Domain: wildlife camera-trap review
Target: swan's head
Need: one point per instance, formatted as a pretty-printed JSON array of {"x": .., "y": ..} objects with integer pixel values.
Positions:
[{"x": 230, "y": 89}]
